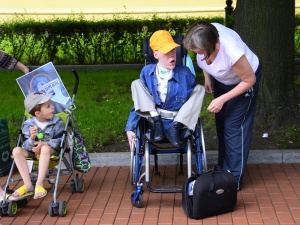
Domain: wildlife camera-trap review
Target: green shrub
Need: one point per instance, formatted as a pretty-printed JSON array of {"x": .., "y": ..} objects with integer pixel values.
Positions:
[
  {"x": 297, "y": 41},
  {"x": 77, "y": 41}
]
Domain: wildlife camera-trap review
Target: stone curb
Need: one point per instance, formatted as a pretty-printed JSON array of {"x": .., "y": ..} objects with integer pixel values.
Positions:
[{"x": 255, "y": 157}]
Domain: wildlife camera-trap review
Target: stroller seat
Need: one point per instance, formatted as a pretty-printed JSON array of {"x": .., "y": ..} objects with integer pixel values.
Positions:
[{"x": 54, "y": 159}]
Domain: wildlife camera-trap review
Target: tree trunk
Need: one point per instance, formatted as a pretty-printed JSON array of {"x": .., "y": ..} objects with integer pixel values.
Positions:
[{"x": 267, "y": 27}]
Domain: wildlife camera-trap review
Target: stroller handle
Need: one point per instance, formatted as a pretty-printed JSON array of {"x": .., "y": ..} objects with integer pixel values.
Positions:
[{"x": 76, "y": 81}]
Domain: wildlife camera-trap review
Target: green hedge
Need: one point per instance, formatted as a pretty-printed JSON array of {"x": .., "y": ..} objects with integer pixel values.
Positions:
[{"x": 77, "y": 41}]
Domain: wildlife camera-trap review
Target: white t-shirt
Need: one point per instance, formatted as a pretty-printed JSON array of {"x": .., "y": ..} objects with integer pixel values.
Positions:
[
  {"x": 163, "y": 76},
  {"x": 231, "y": 49},
  {"x": 41, "y": 125}
]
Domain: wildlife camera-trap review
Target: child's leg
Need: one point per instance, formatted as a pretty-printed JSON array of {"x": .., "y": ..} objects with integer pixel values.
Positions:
[
  {"x": 189, "y": 112},
  {"x": 1, "y": 193},
  {"x": 143, "y": 100},
  {"x": 46, "y": 152},
  {"x": 2, "y": 196},
  {"x": 20, "y": 159}
]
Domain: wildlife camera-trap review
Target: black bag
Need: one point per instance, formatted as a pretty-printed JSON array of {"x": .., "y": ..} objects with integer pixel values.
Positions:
[
  {"x": 213, "y": 193},
  {"x": 5, "y": 153}
]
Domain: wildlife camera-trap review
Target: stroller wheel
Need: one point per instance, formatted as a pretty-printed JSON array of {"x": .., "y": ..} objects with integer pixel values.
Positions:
[
  {"x": 50, "y": 209},
  {"x": 62, "y": 209},
  {"x": 1, "y": 208},
  {"x": 72, "y": 186},
  {"x": 80, "y": 185},
  {"x": 12, "y": 208}
]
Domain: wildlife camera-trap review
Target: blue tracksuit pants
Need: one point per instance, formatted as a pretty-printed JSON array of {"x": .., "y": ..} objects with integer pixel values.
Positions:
[{"x": 234, "y": 127}]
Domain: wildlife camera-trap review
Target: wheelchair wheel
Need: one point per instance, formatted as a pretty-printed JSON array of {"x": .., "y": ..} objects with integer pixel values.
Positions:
[
  {"x": 202, "y": 148},
  {"x": 136, "y": 164},
  {"x": 132, "y": 166},
  {"x": 138, "y": 203},
  {"x": 199, "y": 152}
]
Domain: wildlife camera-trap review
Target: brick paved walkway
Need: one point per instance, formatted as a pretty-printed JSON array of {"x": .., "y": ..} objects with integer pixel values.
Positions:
[{"x": 270, "y": 195}]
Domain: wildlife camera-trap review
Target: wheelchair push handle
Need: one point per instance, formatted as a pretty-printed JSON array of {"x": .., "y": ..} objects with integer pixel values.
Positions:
[{"x": 76, "y": 81}]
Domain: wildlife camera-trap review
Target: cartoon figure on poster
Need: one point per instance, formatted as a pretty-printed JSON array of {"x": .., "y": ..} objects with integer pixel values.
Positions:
[{"x": 46, "y": 79}]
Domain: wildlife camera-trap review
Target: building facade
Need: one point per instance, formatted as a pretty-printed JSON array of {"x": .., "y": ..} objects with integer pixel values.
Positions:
[{"x": 99, "y": 9}]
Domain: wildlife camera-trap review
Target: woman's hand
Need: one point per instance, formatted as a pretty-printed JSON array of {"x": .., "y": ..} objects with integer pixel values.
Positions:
[
  {"x": 22, "y": 67},
  {"x": 131, "y": 138},
  {"x": 216, "y": 105},
  {"x": 244, "y": 71}
]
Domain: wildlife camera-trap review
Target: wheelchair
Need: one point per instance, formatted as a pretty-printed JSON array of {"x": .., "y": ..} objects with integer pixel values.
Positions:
[
  {"x": 192, "y": 143},
  {"x": 58, "y": 166}
]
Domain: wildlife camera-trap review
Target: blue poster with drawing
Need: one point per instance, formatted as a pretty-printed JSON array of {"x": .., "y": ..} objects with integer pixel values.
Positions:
[{"x": 46, "y": 79}]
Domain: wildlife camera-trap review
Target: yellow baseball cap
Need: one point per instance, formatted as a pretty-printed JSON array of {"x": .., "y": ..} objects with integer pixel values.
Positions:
[{"x": 162, "y": 41}]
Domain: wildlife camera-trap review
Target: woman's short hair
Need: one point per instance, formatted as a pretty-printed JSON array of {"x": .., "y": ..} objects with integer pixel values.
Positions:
[{"x": 201, "y": 35}]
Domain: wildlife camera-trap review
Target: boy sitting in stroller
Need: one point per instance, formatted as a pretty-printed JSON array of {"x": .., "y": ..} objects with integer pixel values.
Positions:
[
  {"x": 42, "y": 134},
  {"x": 165, "y": 94}
]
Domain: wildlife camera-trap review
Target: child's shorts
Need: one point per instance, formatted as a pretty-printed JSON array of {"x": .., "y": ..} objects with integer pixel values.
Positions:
[{"x": 32, "y": 155}]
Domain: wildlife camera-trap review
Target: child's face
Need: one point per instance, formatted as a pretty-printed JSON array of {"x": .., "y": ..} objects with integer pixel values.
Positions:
[
  {"x": 46, "y": 113},
  {"x": 168, "y": 60}
]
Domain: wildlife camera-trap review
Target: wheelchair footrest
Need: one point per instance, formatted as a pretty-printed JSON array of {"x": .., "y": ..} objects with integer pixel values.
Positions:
[{"x": 168, "y": 188}]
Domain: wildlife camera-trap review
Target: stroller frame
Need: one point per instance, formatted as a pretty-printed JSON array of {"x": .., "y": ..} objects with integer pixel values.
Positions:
[{"x": 65, "y": 156}]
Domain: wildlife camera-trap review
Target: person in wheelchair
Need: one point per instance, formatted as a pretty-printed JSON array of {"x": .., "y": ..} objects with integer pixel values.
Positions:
[
  {"x": 42, "y": 133},
  {"x": 166, "y": 94}
]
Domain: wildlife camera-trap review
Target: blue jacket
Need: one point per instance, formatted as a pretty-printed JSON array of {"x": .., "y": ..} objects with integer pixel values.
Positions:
[
  {"x": 52, "y": 133},
  {"x": 180, "y": 87}
]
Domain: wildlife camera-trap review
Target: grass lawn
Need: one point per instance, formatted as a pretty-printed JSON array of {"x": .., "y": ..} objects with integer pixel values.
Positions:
[{"x": 103, "y": 102}]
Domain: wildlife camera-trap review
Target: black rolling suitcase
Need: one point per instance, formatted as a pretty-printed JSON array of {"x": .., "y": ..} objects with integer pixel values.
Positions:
[{"x": 209, "y": 194}]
